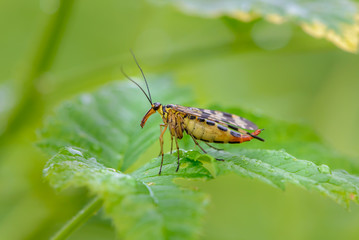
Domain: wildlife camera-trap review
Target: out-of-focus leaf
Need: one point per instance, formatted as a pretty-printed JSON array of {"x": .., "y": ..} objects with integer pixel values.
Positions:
[
  {"x": 142, "y": 205},
  {"x": 334, "y": 20}
]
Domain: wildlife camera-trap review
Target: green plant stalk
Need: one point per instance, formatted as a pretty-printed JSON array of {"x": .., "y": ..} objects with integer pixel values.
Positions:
[
  {"x": 80, "y": 218},
  {"x": 42, "y": 60}
]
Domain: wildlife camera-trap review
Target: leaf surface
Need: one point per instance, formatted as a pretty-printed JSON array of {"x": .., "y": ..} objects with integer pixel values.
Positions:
[
  {"x": 95, "y": 138},
  {"x": 278, "y": 168},
  {"x": 107, "y": 122},
  {"x": 142, "y": 205},
  {"x": 298, "y": 139}
]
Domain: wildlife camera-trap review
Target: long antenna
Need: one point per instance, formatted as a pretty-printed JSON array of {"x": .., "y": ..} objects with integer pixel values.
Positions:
[
  {"x": 134, "y": 57},
  {"x": 123, "y": 72}
]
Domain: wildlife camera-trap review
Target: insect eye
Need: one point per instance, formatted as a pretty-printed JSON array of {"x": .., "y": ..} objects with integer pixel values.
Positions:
[{"x": 156, "y": 105}]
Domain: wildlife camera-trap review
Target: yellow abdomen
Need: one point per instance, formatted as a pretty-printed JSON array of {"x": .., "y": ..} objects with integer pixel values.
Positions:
[{"x": 209, "y": 131}]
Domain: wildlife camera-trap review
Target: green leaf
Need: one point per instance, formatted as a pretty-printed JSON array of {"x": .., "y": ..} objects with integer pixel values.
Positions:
[
  {"x": 334, "y": 20},
  {"x": 142, "y": 205},
  {"x": 297, "y": 139},
  {"x": 95, "y": 138},
  {"x": 278, "y": 167},
  {"x": 96, "y": 134},
  {"x": 107, "y": 122}
]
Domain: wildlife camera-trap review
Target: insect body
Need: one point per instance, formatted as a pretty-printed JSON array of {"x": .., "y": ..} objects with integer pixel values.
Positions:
[{"x": 205, "y": 125}]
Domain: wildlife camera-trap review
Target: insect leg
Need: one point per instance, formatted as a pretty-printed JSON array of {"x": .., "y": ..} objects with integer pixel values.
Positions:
[
  {"x": 172, "y": 143},
  {"x": 161, "y": 143},
  {"x": 178, "y": 161},
  {"x": 218, "y": 149},
  {"x": 161, "y": 125},
  {"x": 195, "y": 141}
]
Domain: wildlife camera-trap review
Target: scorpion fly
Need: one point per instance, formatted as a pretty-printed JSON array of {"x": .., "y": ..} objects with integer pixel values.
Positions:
[{"x": 205, "y": 125}]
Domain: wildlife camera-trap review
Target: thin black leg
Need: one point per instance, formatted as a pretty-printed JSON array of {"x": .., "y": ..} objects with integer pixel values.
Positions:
[
  {"x": 218, "y": 149},
  {"x": 195, "y": 141},
  {"x": 178, "y": 156}
]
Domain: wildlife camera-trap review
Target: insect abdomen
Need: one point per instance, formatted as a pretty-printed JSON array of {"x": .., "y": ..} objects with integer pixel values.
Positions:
[{"x": 209, "y": 131}]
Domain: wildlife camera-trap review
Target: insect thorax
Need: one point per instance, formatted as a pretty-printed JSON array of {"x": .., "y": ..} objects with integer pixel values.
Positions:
[{"x": 174, "y": 119}]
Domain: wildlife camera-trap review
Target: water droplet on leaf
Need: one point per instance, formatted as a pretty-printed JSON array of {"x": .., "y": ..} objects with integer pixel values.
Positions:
[
  {"x": 74, "y": 151},
  {"x": 324, "y": 168}
]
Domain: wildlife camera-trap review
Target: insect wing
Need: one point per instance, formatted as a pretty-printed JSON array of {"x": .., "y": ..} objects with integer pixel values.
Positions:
[{"x": 230, "y": 120}]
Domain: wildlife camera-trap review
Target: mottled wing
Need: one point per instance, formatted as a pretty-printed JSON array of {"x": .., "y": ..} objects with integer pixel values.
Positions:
[{"x": 230, "y": 120}]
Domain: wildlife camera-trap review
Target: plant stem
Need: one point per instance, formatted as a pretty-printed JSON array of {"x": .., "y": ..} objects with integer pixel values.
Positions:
[
  {"x": 80, "y": 218},
  {"x": 42, "y": 60}
]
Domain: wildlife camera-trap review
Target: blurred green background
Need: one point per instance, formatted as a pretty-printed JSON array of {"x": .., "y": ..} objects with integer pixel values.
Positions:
[{"x": 277, "y": 70}]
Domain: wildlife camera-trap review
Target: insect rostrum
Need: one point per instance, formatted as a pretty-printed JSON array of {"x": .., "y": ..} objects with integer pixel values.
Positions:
[{"x": 205, "y": 125}]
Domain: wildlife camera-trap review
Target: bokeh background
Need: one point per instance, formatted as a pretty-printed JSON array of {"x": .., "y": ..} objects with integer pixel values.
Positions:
[{"x": 274, "y": 69}]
